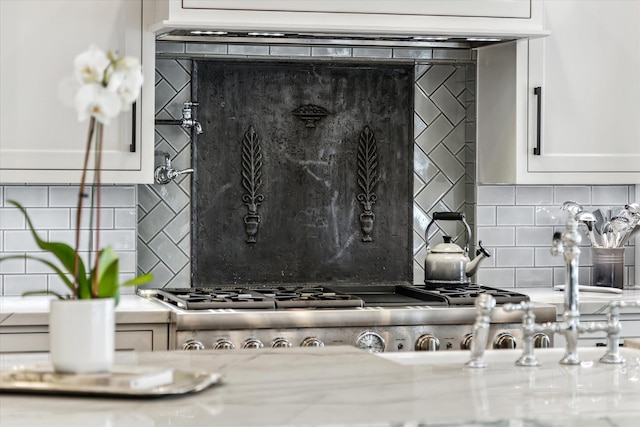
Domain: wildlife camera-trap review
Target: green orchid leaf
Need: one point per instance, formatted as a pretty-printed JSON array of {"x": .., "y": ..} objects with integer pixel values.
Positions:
[
  {"x": 25, "y": 294},
  {"x": 107, "y": 273},
  {"x": 140, "y": 280},
  {"x": 65, "y": 253}
]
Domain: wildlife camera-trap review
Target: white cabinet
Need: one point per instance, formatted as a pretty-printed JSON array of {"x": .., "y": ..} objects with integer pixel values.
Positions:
[
  {"x": 414, "y": 17},
  {"x": 129, "y": 337},
  {"x": 483, "y": 8},
  {"x": 573, "y": 96},
  {"x": 40, "y": 137}
]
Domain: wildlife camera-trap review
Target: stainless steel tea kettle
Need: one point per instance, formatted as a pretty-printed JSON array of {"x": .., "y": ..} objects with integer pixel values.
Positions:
[{"x": 448, "y": 264}]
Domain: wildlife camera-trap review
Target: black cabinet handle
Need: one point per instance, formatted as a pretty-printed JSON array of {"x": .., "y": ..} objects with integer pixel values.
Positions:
[
  {"x": 537, "y": 149},
  {"x": 132, "y": 146}
]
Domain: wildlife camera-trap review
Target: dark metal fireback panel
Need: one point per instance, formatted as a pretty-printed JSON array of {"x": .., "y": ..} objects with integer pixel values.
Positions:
[{"x": 303, "y": 173}]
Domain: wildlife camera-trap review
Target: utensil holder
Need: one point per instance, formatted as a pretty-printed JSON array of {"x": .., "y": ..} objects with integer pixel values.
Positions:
[{"x": 608, "y": 267}]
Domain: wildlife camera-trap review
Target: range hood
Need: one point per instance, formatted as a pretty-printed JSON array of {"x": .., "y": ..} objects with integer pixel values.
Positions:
[
  {"x": 469, "y": 24},
  {"x": 328, "y": 39}
]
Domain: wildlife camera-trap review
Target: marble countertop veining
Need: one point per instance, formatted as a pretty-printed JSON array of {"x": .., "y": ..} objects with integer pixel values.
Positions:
[{"x": 342, "y": 386}]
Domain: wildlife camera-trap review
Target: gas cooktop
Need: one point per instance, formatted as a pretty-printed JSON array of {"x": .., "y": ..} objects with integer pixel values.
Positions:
[{"x": 334, "y": 296}]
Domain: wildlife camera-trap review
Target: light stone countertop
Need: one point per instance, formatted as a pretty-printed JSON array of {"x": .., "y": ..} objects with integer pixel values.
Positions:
[
  {"x": 342, "y": 386},
  {"x": 590, "y": 303},
  {"x": 34, "y": 311}
]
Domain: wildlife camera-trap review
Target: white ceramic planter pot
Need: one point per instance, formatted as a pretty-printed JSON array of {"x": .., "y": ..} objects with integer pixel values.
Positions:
[{"x": 82, "y": 335}]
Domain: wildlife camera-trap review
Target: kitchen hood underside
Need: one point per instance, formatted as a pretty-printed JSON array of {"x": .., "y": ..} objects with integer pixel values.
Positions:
[{"x": 329, "y": 39}]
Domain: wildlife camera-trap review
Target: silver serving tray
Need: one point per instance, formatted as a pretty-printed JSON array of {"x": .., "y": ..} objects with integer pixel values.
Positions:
[{"x": 39, "y": 380}]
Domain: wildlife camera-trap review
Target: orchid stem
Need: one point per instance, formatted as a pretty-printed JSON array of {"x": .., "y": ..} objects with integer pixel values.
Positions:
[
  {"x": 97, "y": 182},
  {"x": 81, "y": 197}
]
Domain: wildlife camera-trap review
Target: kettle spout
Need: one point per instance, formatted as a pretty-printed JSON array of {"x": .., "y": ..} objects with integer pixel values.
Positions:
[{"x": 472, "y": 266}]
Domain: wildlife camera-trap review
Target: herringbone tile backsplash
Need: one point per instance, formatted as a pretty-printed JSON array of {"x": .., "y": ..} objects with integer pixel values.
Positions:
[{"x": 443, "y": 179}]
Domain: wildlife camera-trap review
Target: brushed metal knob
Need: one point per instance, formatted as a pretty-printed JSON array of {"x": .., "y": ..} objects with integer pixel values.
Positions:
[
  {"x": 465, "y": 344},
  {"x": 192, "y": 344},
  {"x": 311, "y": 342},
  {"x": 223, "y": 344},
  {"x": 541, "y": 340},
  {"x": 252, "y": 343},
  {"x": 280, "y": 343},
  {"x": 504, "y": 340},
  {"x": 427, "y": 342}
]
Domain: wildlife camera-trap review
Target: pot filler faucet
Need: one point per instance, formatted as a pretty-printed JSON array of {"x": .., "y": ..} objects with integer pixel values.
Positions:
[{"x": 567, "y": 244}]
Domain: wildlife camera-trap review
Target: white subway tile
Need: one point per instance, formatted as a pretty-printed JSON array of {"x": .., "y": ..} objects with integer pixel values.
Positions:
[
  {"x": 46, "y": 219},
  {"x": 514, "y": 257},
  {"x": 119, "y": 239},
  {"x": 496, "y": 195},
  {"x": 106, "y": 218},
  {"x": 534, "y": 236},
  {"x": 486, "y": 215},
  {"x": 290, "y": 50},
  {"x": 125, "y": 218},
  {"x": 578, "y": 194},
  {"x": 118, "y": 196},
  {"x": 534, "y": 277},
  {"x": 27, "y": 196},
  {"x": 127, "y": 262},
  {"x": 360, "y": 52},
  {"x": 549, "y": 215},
  {"x": 515, "y": 215},
  {"x": 11, "y": 219},
  {"x": 234, "y": 49},
  {"x": 20, "y": 283},
  {"x": 496, "y": 236},
  {"x": 36, "y": 267},
  {"x": 12, "y": 266},
  {"x": 67, "y": 196},
  {"x": 543, "y": 258},
  {"x": 534, "y": 195},
  {"x": 331, "y": 51},
  {"x": 21, "y": 241},
  {"x": 57, "y": 285},
  {"x": 616, "y": 195},
  {"x": 496, "y": 277}
]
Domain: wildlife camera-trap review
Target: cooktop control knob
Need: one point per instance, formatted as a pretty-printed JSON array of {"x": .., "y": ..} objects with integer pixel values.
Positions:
[
  {"x": 465, "y": 344},
  {"x": 252, "y": 343},
  {"x": 504, "y": 340},
  {"x": 192, "y": 344},
  {"x": 280, "y": 342},
  {"x": 427, "y": 342},
  {"x": 311, "y": 342},
  {"x": 223, "y": 344},
  {"x": 541, "y": 340}
]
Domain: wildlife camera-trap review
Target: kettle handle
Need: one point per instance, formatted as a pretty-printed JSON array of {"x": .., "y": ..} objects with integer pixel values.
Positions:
[{"x": 450, "y": 216}]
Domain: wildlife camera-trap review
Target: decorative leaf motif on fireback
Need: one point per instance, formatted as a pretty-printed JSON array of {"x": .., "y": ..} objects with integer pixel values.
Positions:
[
  {"x": 251, "y": 182},
  {"x": 367, "y": 180}
]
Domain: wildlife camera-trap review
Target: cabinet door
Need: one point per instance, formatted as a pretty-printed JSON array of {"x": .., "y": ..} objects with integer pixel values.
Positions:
[
  {"x": 40, "y": 137},
  {"x": 476, "y": 8},
  {"x": 588, "y": 72}
]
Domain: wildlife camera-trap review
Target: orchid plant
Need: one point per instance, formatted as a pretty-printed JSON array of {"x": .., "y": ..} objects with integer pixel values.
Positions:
[{"x": 106, "y": 86}]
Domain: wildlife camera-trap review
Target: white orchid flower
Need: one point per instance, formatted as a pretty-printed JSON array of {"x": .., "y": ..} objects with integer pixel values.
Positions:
[
  {"x": 106, "y": 80},
  {"x": 94, "y": 100},
  {"x": 90, "y": 66},
  {"x": 126, "y": 81}
]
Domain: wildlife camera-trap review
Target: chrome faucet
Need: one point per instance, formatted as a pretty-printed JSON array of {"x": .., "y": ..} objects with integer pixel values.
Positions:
[
  {"x": 567, "y": 244},
  {"x": 165, "y": 173}
]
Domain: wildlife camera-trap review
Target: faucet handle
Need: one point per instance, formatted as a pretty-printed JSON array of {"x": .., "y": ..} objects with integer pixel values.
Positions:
[
  {"x": 528, "y": 357},
  {"x": 613, "y": 329},
  {"x": 485, "y": 303}
]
